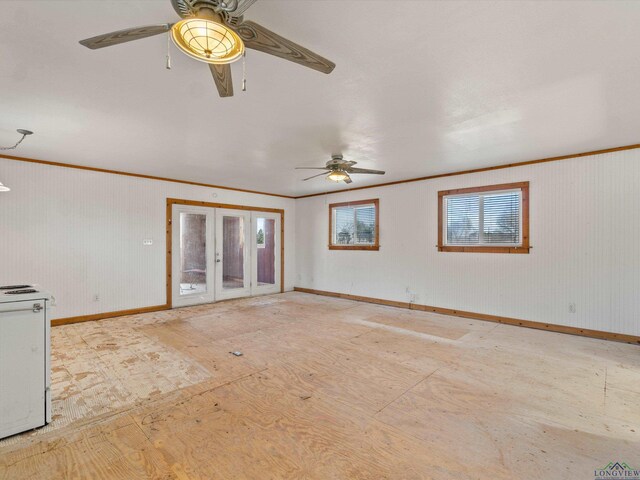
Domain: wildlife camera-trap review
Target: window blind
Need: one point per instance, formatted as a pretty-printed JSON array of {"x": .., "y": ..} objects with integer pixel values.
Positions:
[
  {"x": 491, "y": 218},
  {"x": 344, "y": 226},
  {"x": 463, "y": 220},
  {"x": 365, "y": 224},
  {"x": 354, "y": 225},
  {"x": 501, "y": 215}
]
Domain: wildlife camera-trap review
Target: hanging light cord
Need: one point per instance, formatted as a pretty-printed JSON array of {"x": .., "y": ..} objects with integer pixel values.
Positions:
[
  {"x": 244, "y": 71},
  {"x": 168, "y": 65},
  {"x": 24, "y": 134}
]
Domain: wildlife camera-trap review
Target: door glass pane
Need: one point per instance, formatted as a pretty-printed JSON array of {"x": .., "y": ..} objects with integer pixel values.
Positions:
[
  {"x": 265, "y": 240},
  {"x": 193, "y": 253},
  {"x": 232, "y": 252}
]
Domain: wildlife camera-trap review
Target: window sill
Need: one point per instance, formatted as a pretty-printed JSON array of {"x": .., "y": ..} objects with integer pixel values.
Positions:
[
  {"x": 354, "y": 247},
  {"x": 447, "y": 248}
]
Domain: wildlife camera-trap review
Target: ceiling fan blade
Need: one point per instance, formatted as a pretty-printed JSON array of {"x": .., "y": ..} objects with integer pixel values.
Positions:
[
  {"x": 305, "y": 179},
  {"x": 242, "y": 7},
  {"x": 259, "y": 38},
  {"x": 365, "y": 170},
  {"x": 313, "y": 168},
  {"x": 122, "y": 36},
  {"x": 222, "y": 76}
]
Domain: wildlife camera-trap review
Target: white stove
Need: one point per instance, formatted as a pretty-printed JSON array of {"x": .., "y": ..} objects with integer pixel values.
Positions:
[
  {"x": 21, "y": 292},
  {"x": 25, "y": 358}
]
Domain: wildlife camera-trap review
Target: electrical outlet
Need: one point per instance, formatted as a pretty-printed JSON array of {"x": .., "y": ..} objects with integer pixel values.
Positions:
[
  {"x": 147, "y": 241},
  {"x": 96, "y": 298},
  {"x": 572, "y": 307}
]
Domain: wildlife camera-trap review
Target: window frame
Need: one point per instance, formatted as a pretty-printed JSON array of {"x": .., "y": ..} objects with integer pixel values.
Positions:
[
  {"x": 524, "y": 247},
  {"x": 376, "y": 240}
]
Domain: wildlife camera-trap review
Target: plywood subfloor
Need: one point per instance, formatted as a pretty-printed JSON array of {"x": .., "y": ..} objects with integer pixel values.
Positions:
[{"x": 329, "y": 389}]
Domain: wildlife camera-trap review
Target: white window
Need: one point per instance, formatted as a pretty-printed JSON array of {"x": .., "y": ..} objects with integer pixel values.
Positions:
[
  {"x": 354, "y": 225},
  {"x": 491, "y": 219}
]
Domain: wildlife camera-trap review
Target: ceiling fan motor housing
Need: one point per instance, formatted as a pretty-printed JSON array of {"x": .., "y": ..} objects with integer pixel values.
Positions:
[
  {"x": 338, "y": 163},
  {"x": 191, "y": 8}
]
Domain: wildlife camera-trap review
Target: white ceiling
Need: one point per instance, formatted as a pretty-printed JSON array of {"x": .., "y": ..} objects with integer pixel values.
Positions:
[{"x": 420, "y": 88}]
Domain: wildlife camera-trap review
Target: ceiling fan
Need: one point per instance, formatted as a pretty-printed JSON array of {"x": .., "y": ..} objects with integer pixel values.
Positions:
[
  {"x": 215, "y": 32},
  {"x": 339, "y": 170}
]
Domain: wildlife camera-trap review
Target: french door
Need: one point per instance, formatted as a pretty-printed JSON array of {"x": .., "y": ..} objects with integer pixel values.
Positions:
[
  {"x": 220, "y": 253},
  {"x": 232, "y": 254},
  {"x": 266, "y": 260},
  {"x": 192, "y": 262}
]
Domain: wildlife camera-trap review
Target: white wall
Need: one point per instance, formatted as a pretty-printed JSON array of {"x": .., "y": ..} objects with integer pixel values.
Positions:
[
  {"x": 585, "y": 232},
  {"x": 79, "y": 233}
]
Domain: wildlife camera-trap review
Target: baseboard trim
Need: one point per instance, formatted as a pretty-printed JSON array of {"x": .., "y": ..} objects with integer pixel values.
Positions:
[
  {"x": 584, "y": 332},
  {"x": 101, "y": 316}
]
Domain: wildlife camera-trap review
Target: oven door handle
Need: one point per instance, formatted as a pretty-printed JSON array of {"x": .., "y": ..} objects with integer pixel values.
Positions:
[{"x": 37, "y": 307}]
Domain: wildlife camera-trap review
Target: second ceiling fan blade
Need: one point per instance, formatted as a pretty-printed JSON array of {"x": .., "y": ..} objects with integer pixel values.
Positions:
[
  {"x": 365, "y": 170},
  {"x": 313, "y": 168},
  {"x": 122, "y": 36},
  {"x": 222, "y": 76},
  {"x": 305, "y": 179},
  {"x": 257, "y": 37}
]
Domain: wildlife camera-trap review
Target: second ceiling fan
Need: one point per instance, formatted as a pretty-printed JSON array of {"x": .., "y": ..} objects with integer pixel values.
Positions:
[
  {"x": 215, "y": 32},
  {"x": 339, "y": 170}
]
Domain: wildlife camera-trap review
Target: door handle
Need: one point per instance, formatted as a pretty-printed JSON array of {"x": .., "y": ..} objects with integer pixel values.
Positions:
[
  {"x": 35, "y": 309},
  {"x": 218, "y": 260}
]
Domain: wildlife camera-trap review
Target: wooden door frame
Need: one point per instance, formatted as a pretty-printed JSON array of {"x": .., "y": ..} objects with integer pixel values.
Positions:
[{"x": 195, "y": 203}]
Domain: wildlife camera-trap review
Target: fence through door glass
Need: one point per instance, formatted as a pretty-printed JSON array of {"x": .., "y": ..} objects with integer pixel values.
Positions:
[
  {"x": 266, "y": 247},
  {"x": 232, "y": 252},
  {"x": 193, "y": 253}
]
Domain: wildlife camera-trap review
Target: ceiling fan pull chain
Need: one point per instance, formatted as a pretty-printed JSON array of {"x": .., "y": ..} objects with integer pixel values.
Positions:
[
  {"x": 168, "y": 66},
  {"x": 244, "y": 71}
]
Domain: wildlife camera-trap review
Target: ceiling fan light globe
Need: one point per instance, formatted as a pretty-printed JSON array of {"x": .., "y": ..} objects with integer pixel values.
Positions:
[
  {"x": 337, "y": 176},
  {"x": 207, "y": 41}
]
